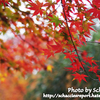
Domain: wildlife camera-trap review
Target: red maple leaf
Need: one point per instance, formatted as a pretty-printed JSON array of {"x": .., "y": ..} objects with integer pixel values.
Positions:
[
  {"x": 89, "y": 60},
  {"x": 93, "y": 69},
  {"x": 78, "y": 63},
  {"x": 95, "y": 10},
  {"x": 84, "y": 54},
  {"x": 96, "y": 2},
  {"x": 36, "y": 7},
  {"x": 98, "y": 77},
  {"x": 70, "y": 56},
  {"x": 57, "y": 48},
  {"x": 80, "y": 77},
  {"x": 74, "y": 68},
  {"x": 48, "y": 52}
]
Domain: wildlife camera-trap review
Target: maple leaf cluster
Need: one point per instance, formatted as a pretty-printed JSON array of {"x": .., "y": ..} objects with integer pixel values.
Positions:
[
  {"x": 73, "y": 39},
  {"x": 54, "y": 34}
]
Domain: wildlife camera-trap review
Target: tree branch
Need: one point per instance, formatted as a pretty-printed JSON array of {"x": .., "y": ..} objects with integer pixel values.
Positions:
[{"x": 73, "y": 42}]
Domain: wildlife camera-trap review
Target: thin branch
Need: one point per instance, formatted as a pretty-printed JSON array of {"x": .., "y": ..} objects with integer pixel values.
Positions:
[
  {"x": 92, "y": 42},
  {"x": 14, "y": 7},
  {"x": 54, "y": 10}
]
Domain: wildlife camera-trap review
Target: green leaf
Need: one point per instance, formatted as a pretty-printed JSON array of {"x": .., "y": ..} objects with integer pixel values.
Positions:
[
  {"x": 9, "y": 12},
  {"x": 55, "y": 19}
]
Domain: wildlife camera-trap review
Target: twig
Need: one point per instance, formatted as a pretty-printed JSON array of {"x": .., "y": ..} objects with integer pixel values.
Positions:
[
  {"x": 27, "y": 42},
  {"x": 54, "y": 10}
]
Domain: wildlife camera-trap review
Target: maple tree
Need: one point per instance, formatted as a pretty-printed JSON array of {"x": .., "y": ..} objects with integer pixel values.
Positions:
[{"x": 47, "y": 33}]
